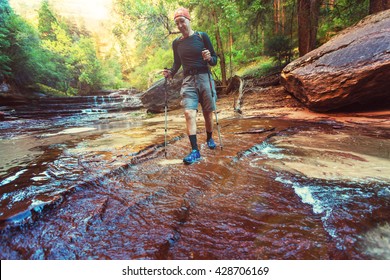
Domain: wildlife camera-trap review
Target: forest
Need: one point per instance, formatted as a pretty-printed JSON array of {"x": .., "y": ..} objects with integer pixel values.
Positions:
[{"x": 53, "y": 55}]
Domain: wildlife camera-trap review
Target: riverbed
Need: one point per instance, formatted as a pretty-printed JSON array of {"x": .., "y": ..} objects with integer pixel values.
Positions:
[{"x": 287, "y": 184}]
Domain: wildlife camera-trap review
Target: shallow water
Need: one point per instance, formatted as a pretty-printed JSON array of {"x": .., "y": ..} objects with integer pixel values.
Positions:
[{"x": 104, "y": 190}]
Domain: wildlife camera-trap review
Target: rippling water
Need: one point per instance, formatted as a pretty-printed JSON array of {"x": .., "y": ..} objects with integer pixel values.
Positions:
[{"x": 109, "y": 193}]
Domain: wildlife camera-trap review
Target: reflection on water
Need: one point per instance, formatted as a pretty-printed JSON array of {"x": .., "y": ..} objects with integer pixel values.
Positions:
[{"x": 104, "y": 190}]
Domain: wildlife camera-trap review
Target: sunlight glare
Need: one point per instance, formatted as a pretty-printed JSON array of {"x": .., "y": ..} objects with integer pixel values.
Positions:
[{"x": 97, "y": 9}]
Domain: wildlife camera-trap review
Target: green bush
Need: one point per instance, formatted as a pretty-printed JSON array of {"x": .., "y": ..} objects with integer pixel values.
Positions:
[
  {"x": 49, "y": 90},
  {"x": 261, "y": 67},
  {"x": 280, "y": 48},
  {"x": 149, "y": 71}
]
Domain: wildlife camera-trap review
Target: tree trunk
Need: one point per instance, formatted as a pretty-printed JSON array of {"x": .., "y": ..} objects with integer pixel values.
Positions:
[
  {"x": 303, "y": 26},
  {"x": 230, "y": 53},
  {"x": 220, "y": 51},
  {"x": 308, "y": 14},
  {"x": 283, "y": 17},
  {"x": 276, "y": 16},
  {"x": 379, "y": 5},
  {"x": 279, "y": 17},
  {"x": 314, "y": 17}
]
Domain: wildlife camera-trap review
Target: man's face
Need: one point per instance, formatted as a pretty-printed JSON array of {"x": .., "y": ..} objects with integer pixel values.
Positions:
[{"x": 183, "y": 24}]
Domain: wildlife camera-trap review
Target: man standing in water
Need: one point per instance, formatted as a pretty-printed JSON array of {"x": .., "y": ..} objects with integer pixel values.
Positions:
[{"x": 194, "y": 51}]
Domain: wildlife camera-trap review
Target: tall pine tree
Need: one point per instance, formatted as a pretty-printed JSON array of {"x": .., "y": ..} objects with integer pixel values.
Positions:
[{"x": 5, "y": 33}]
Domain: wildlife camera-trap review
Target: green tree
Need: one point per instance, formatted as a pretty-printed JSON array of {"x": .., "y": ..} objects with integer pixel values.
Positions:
[
  {"x": 19, "y": 45},
  {"x": 112, "y": 70},
  {"x": 74, "y": 50},
  {"x": 253, "y": 27},
  {"x": 279, "y": 47},
  {"x": 5, "y": 33},
  {"x": 336, "y": 15},
  {"x": 46, "y": 21},
  {"x": 142, "y": 31},
  {"x": 218, "y": 18},
  {"x": 61, "y": 55},
  {"x": 87, "y": 66}
]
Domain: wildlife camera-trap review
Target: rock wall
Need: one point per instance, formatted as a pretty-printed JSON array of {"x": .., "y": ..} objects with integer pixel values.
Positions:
[
  {"x": 154, "y": 98},
  {"x": 351, "y": 69}
]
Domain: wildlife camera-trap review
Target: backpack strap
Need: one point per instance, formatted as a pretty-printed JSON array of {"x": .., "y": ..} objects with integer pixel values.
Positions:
[
  {"x": 201, "y": 38},
  {"x": 196, "y": 33},
  {"x": 200, "y": 35}
]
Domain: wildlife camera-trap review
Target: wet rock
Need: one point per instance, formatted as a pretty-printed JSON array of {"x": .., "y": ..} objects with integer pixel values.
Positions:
[
  {"x": 4, "y": 87},
  {"x": 33, "y": 107},
  {"x": 154, "y": 98},
  {"x": 14, "y": 99},
  {"x": 351, "y": 69},
  {"x": 377, "y": 242}
]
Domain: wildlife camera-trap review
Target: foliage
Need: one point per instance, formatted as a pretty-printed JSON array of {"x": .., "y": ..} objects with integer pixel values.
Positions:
[
  {"x": 5, "y": 39},
  {"x": 341, "y": 14},
  {"x": 150, "y": 70},
  {"x": 247, "y": 28},
  {"x": 57, "y": 54},
  {"x": 77, "y": 53},
  {"x": 49, "y": 90},
  {"x": 60, "y": 55},
  {"x": 279, "y": 47},
  {"x": 46, "y": 21},
  {"x": 148, "y": 24},
  {"x": 21, "y": 56},
  {"x": 261, "y": 66},
  {"x": 112, "y": 76}
]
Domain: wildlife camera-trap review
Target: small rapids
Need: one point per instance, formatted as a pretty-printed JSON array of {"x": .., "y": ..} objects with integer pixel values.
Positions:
[{"x": 278, "y": 190}]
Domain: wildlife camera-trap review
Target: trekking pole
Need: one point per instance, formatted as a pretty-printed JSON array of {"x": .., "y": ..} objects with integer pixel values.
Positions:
[
  {"x": 166, "y": 116},
  {"x": 215, "y": 106}
]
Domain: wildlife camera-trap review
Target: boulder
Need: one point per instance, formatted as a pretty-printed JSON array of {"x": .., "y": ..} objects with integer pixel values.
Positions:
[
  {"x": 154, "y": 98},
  {"x": 4, "y": 87},
  {"x": 352, "y": 69}
]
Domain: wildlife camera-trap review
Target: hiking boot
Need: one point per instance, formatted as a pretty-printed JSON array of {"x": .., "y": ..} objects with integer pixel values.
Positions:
[
  {"x": 211, "y": 144},
  {"x": 193, "y": 157}
]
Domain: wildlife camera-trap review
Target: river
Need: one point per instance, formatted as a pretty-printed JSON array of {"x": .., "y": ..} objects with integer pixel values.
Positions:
[{"x": 96, "y": 185}]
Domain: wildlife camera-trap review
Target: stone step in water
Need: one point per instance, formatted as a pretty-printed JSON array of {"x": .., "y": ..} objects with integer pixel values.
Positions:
[{"x": 64, "y": 106}]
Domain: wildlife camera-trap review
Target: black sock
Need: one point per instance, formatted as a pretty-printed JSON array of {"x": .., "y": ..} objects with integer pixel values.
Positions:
[
  {"x": 209, "y": 135},
  {"x": 193, "y": 141}
]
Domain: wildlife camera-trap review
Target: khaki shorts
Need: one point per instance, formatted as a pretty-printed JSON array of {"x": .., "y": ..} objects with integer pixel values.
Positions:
[{"x": 195, "y": 89}]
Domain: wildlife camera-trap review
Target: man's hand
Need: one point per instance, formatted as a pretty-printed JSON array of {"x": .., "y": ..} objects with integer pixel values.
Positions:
[
  {"x": 167, "y": 73},
  {"x": 206, "y": 55}
]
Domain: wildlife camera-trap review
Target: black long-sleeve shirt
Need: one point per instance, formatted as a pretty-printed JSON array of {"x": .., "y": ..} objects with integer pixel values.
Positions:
[{"x": 187, "y": 52}]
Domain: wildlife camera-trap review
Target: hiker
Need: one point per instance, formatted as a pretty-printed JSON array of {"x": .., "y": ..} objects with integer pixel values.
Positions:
[{"x": 193, "y": 50}]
